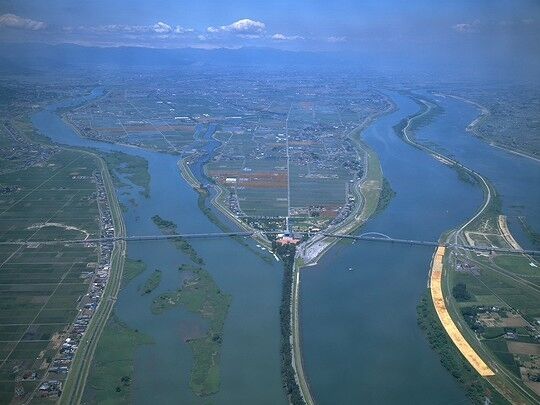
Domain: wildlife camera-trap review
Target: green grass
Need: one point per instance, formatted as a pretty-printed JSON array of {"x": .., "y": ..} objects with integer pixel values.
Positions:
[
  {"x": 170, "y": 228},
  {"x": 387, "y": 193},
  {"x": 201, "y": 295},
  {"x": 43, "y": 284},
  {"x": 132, "y": 268},
  {"x": 518, "y": 264},
  {"x": 133, "y": 167},
  {"x": 111, "y": 374},
  {"x": 372, "y": 187},
  {"x": 151, "y": 283},
  {"x": 475, "y": 386}
]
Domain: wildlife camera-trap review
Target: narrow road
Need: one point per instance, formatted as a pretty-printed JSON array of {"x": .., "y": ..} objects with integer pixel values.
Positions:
[{"x": 75, "y": 383}]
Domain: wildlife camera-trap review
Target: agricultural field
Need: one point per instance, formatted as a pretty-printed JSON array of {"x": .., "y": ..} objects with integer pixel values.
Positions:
[
  {"x": 274, "y": 148},
  {"x": 42, "y": 284},
  {"x": 497, "y": 297},
  {"x": 511, "y": 118}
]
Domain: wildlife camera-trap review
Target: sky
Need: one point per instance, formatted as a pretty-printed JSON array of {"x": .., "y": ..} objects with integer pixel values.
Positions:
[{"x": 503, "y": 27}]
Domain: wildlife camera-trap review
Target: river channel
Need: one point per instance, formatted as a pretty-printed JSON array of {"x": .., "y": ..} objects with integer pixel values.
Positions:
[
  {"x": 360, "y": 339},
  {"x": 250, "y": 360}
]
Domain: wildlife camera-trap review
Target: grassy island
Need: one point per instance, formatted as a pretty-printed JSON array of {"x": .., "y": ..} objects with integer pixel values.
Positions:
[
  {"x": 170, "y": 228},
  {"x": 133, "y": 167},
  {"x": 201, "y": 295},
  {"x": 151, "y": 283}
]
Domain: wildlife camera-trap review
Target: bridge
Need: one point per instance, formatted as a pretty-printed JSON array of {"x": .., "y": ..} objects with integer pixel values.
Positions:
[
  {"x": 367, "y": 236},
  {"x": 380, "y": 237},
  {"x": 132, "y": 238}
]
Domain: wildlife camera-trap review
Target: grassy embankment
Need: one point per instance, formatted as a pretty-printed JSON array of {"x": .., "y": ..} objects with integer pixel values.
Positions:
[
  {"x": 170, "y": 228},
  {"x": 288, "y": 372},
  {"x": 111, "y": 374},
  {"x": 201, "y": 295},
  {"x": 80, "y": 367},
  {"x": 387, "y": 193},
  {"x": 475, "y": 386}
]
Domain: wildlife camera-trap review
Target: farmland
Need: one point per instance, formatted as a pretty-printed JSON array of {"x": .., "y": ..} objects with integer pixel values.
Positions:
[
  {"x": 282, "y": 146},
  {"x": 42, "y": 285}
]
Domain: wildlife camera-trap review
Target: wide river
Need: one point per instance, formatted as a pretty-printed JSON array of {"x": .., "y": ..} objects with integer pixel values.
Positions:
[
  {"x": 360, "y": 339},
  {"x": 250, "y": 361},
  {"x": 361, "y": 342}
]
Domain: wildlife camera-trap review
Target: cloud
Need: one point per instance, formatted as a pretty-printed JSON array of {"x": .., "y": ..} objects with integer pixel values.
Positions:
[
  {"x": 334, "y": 40},
  {"x": 162, "y": 28},
  {"x": 181, "y": 30},
  {"x": 245, "y": 27},
  {"x": 283, "y": 37},
  {"x": 15, "y": 21},
  {"x": 467, "y": 28},
  {"x": 111, "y": 28}
]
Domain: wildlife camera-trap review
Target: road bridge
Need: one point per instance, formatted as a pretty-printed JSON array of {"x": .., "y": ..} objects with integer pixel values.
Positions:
[
  {"x": 367, "y": 236},
  {"x": 132, "y": 238},
  {"x": 385, "y": 238}
]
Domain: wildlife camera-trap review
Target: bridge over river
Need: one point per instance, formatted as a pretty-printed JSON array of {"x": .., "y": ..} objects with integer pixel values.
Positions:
[{"x": 368, "y": 236}]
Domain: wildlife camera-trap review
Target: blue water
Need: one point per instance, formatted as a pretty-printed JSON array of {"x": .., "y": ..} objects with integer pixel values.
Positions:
[
  {"x": 250, "y": 361},
  {"x": 361, "y": 342}
]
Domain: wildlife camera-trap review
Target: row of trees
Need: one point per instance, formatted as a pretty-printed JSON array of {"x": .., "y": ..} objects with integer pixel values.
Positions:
[
  {"x": 450, "y": 357},
  {"x": 286, "y": 253}
]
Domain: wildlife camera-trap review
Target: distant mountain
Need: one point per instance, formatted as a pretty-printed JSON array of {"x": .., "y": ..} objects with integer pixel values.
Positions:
[
  {"x": 44, "y": 57},
  {"x": 23, "y": 58}
]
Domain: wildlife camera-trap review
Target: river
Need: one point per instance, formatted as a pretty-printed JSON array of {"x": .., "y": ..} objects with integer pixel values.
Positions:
[
  {"x": 250, "y": 360},
  {"x": 360, "y": 339}
]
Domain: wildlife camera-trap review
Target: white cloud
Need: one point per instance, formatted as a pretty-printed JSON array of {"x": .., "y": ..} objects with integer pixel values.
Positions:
[
  {"x": 467, "y": 28},
  {"x": 334, "y": 40},
  {"x": 119, "y": 28},
  {"x": 245, "y": 27},
  {"x": 283, "y": 37},
  {"x": 15, "y": 21},
  {"x": 162, "y": 28},
  {"x": 181, "y": 30}
]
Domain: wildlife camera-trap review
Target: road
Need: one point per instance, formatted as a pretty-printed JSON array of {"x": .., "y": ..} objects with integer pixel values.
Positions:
[{"x": 75, "y": 383}]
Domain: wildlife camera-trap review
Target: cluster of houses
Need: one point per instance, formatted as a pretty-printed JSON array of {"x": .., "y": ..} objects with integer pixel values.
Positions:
[
  {"x": 88, "y": 303},
  {"x": 23, "y": 151},
  {"x": 234, "y": 204},
  {"x": 345, "y": 211}
]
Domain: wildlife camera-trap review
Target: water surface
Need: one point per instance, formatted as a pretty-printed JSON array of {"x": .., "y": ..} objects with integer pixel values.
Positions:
[{"x": 250, "y": 362}]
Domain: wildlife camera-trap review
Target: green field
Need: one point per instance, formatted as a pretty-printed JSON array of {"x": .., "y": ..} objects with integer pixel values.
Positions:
[{"x": 41, "y": 284}]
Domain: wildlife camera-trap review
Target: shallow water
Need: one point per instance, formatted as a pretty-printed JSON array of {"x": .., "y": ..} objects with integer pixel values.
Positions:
[{"x": 250, "y": 361}]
